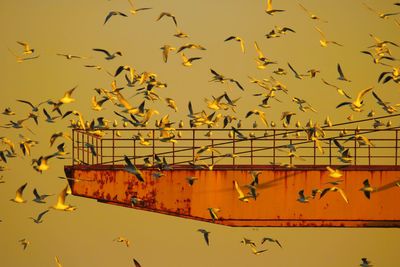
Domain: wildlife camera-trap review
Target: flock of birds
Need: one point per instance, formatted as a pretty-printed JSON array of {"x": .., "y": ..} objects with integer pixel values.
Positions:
[{"x": 146, "y": 86}]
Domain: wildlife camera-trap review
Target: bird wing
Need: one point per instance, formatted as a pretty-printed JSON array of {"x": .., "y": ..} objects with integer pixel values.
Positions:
[
  {"x": 61, "y": 197},
  {"x": 294, "y": 71},
  {"x": 366, "y": 183},
  {"x": 42, "y": 214},
  {"x": 20, "y": 191},
  {"x": 133, "y": 168},
  {"x": 26, "y": 102},
  {"x": 137, "y": 264},
  {"x": 102, "y": 50},
  {"x": 339, "y": 69},
  {"x": 260, "y": 54},
  {"x": 343, "y": 195},
  {"x": 324, "y": 192},
  {"x": 320, "y": 32},
  {"x": 362, "y": 93},
  {"x": 229, "y": 38},
  {"x": 47, "y": 114},
  {"x": 240, "y": 192},
  {"x": 37, "y": 196}
]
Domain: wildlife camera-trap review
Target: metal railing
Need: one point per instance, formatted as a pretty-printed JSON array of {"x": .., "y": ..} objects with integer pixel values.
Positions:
[{"x": 208, "y": 147}]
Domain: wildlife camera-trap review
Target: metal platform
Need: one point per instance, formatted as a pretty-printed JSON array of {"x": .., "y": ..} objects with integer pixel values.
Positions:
[{"x": 289, "y": 160}]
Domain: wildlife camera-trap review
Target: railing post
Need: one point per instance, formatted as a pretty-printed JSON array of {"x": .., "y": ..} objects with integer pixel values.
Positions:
[
  {"x": 330, "y": 151},
  {"x": 134, "y": 150},
  {"x": 113, "y": 147},
  {"x": 101, "y": 151},
  {"x": 251, "y": 152},
  {"x": 154, "y": 143},
  {"x": 73, "y": 147},
  {"x": 83, "y": 147},
  {"x": 233, "y": 149},
  {"x": 274, "y": 147},
  {"x": 355, "y": 147},
  {"x": 396, "y": 147},
  {"x": 291, "y": 158},
  {"x": 212, "y": 152},
  {"x": 173, "y": 153},
  {"x": 315, "y": 152},
  {"x": 193, "y": 143}
]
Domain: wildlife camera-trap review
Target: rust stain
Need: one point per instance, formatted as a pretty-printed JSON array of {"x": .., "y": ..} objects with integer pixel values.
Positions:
[{"x": 276, "y": 203}]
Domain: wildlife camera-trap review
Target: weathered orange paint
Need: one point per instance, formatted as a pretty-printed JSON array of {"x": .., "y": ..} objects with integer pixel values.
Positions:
[{"x": 276, "y": 204}]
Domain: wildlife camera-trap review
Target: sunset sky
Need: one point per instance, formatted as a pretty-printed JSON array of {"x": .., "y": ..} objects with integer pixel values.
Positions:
[{"x": 85, "y": 237}]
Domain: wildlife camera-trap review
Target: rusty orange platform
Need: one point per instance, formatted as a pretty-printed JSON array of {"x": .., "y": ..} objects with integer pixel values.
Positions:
[{"x": 276, "y": 204}]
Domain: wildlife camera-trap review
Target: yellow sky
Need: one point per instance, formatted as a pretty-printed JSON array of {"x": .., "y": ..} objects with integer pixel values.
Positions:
[{"x": 84, "y": 237}]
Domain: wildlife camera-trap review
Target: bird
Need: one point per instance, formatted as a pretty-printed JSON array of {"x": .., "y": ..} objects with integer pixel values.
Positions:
[
  {"x": 122, "y": 239},
  {"x": 69, "y": 56},
  {"x": 113, "y": 13},
  {"x": 334, "y": 189},
  {"x": 131, "y": 168},
  {"x": 27, "y": 49},
  {"x": 180, "y": 34},
  {"x": 385, "y": 105},
  {"x": 287, "y": 115},
  {"x": 381, "y": 14},
  {"x": 18, "y": 196},
  {"x": 167, "y": 14},
  {"x": 221, "y": 78},
  {"x": 213, "y": 213},
  {"x": 334, "y": 173},
  {"x": 109, "y": 56},
  {"x": 39, "y": 217},
  {"x": 271, "y": 240},
  {"x": 358, "y": 103},
  {"x": 365, "y": 263},
  {"x": 311, "y": 15},
  {"x": 49, "y": 118},
  {"x": 190, "y": 46},
  {"x": 367, "y": 189},
  {"x": 35, "y": 108},
  {"x": 238, "y": 39},
  {"x": 165, "y": 51},
  {"x": 296, "y": 74},
  {"x": 261, "y": 115},
  {"x": 377, "y": 58},
  {"x": 137, "y": 264},
  {"x": 57, "y": 261},
  {"x": 191, "y": 180},
  {"x": 134, "y": 10},
  {"x": 60, "y": 204},
  {"x": 257, "y": 252},
  {"x": 66, "y": 99},
  {"x": 39, "y": 198},
  {"x": 341, "y": 75},
  {"x": 323, "y": 41},
  {"x": 91, "y": 148},
  {"x": 302, "y": 198},
  {"x": 241, "y": 196},
  {"x": 24, "y": 242},
  {"x": 187, "y": 62},
  {"x": 205, "y": 235},
  {"x": 338, "y": 89},
  {"x": 269, "y": 10}
]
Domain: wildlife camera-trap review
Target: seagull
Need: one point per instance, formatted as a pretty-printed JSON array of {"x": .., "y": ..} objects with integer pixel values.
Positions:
[
  {"x": 262, "y": 61},
  {"x": 60, "y": 205},
  {"x": 166, "y": 49},
  {"x": 66, "y": 99},
  {"x": 334, "y": 173},
  {"x": 269, "y": 10},
  {"x": 261, "y": 115},
  {"x": 385, "y": 105},
  {"x": 49, "y": 119},
  {"x": 241, "y": 196},
  {"x": 57, "y": 261},
  {"x": 39, "y": 198},
  {"x": 24, "y": 242},
  {"x": 131, "y": 168},
  {"x": 167, "y": 15},
  {"x": 22, "y": 59},
  {"x": 338, "y": 89},
  {"x": 257, "y": 252},
  {"x": 365, "y": 263},
  {"x": 302, "y": 198},
  {"x": 311, "y": 15},
  {"x": 221, "y": 78},
  {"x": 367, "y": 189},
  {"x": 137, "y": 264},
  {"x": 109, "y": 56},
  {"x": 205, "y": 234},
  {"x": 377, "y": 59},
  {"x": 323, "y": 41},
  {"x": 187, "y": 62},
  {"x": 380, "y": 14},
  {"x": 287, "y": 115},
  {"x": 171, "y": 103},
  {"x": 39, "y": 217},
  {"x": 358, "y": 103},
  {"x": 271, "y": 240},
  {"x": 341, "y": 75},
  {"x": 27, "y": 49},
  {"x": 35, "y": 108},
  {"x": 69, "y": 56},
  {"x": 113, "y": 13},
  {"x": 134, "y": 10},
  {"x": 8, "y": 112},
  {"x": 334, "y": 189},
  {"x": 180, "y": 34},
  {"x": 191, "y": 180},
  {"x": 190, "y": 46},
  {"x": 238, "y": 39},
  {"x": 213, "y": 213},
  {"x": 122, "y": 240},
  {"x": 18, "y": 196},
  {"x": 298, "y": 76}
]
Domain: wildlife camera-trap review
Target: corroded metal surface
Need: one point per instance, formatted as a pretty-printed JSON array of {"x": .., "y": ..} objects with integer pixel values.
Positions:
[{"x": 276, "y": 204}]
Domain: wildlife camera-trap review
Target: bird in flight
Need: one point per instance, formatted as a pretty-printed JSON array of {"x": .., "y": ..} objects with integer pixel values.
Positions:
[
  {"x": 341, "y": 77},
  {"x": 238, "y": 39},
  {"x": 134, "y": 10},
  {"x": 60, "y": 205},
  {"x": 338, "y": 89},
  {"x": 131, "y": 168},
  {"x": 358, "y": 103},
  {"x": 311, "y": 15},
  {"x": 165, "y": 51},
  {"x": 334, "y": 189},
  {"x": 24, "y": 243},
  {"x": 381, "y": 15},
  {"x": 38, "y": 197},
  {"x": 114, "y": 13},
  {"x": 271, "y": 240},
  {"x": 39, "y": 217},
  {"x": 18, "y": 196},
  {"x": 167, "y": 14},
  {"x": 269, "y": 9},
  {"x": 205, "y": 235},
  {"x": 27, "y": 49},
  {"x": 109, "y": 56},
  {"x": 323, "y": 41},
  {"x": 187, "y": 62},
  {"x": 367, "y": 189}
]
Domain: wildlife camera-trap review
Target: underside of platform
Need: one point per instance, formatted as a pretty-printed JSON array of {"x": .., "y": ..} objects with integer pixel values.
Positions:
[{"x": 276, "y": 203}]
